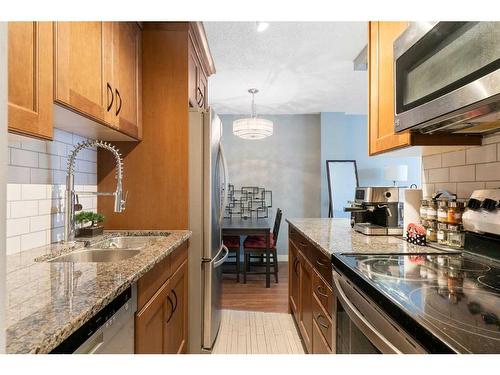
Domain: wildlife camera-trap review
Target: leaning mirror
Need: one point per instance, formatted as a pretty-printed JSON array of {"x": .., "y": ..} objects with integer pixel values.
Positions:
[{"x": 342, "y": 182}]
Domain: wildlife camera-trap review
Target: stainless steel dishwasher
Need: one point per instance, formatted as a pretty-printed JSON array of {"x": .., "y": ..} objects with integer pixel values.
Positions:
[{"x": 110, "y": 331}]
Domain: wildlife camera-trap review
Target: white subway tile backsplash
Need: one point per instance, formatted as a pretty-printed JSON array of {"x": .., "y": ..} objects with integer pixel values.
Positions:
[
  {"x": 493, "y": 185},
  {"x": 482, "y": 154},
  {"x": 13, "y": 245},
  {"x": 34, "y": 239},
  {"x": 452, "y": 159},
  {"x": 432, "y": 161},
  {"x": 36, "y": 185},
  {"x": 439, "y": 174},
  {"x": 488, "y": 172},
  {"x": 23, "y": 158},
  {"x": 464, "y": 173},
  {"x": 18, "y": 175},
  {"x": 465, "y": 189},
  {"x": 23, "y": 208},
  {"x": 16, "y": 227},
  {"x": 33, "y": 191},
  {"x": 38, "y": 223},
  {"x": 446, "y": 186},
  {"x": 13, "y": 192}
]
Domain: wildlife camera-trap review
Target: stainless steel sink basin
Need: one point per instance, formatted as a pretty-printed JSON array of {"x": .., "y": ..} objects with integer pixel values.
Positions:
[
  {"x": 123, "y": 242},
  {"x": 113, "y": 249},
  {"x": 96, "y": 256}
]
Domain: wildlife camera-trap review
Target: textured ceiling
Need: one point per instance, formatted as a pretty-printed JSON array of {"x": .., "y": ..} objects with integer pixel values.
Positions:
[{"x": 299, "y": 67}]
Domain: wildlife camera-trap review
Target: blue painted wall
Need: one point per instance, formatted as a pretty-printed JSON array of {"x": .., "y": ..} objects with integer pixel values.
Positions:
[{"x": 345, "y": 136}]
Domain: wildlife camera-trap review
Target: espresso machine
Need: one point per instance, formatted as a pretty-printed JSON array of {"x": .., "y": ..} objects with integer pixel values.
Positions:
[{"x": 376, "y": 211}]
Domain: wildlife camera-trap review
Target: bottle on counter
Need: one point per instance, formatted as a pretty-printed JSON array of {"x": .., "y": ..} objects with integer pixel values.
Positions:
[
  {"x": 455, "y": 211},
  {"x": 442, "y": 212},
  {"x": 431, "y": 233},
  {"x": 456, "y": 236},
  {"x": 432, "y": 210},
  {"x": 423, "y": 210},
  {"x": 442, "y": 233}
]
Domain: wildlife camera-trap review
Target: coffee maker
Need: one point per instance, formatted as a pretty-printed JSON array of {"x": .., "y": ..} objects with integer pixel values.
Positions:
[{"x": 376, "y": 211}]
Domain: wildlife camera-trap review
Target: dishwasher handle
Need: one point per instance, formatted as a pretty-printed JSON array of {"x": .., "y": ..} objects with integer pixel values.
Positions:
[{"x": 376, "y": 337}]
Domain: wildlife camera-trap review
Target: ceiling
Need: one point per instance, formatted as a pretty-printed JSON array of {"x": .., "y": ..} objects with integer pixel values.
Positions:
[{"x": 298, "y": 67}]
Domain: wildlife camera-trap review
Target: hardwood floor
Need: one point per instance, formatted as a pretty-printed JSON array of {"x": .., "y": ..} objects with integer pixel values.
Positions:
[
  {"x": 254, "y": 296},
  {"x": 247, "y": 332}
]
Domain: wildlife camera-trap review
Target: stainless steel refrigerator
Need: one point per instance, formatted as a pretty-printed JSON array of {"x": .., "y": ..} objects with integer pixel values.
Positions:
[{"x": 208, "y": 181}]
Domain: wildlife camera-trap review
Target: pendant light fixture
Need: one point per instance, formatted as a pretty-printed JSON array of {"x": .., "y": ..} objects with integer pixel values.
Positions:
[{"x": 253, "y": 127}]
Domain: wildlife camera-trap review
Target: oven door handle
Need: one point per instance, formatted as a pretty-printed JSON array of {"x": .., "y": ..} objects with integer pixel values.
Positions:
[{"x": 361, "y": 322}]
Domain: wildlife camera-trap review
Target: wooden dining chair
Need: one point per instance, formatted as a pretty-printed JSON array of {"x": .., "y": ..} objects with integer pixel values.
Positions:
[
  {"x": 254, "y": 247},
  {"x": 233, "y": 245}
]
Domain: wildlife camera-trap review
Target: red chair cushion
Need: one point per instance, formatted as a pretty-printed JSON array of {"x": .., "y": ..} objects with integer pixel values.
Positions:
[
  {"x": 258, "y": 242},
  {"x": 231, "y": 242}
]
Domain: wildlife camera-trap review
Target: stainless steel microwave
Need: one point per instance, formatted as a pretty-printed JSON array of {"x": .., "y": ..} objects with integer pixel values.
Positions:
[{"x": 447, "y": 78}]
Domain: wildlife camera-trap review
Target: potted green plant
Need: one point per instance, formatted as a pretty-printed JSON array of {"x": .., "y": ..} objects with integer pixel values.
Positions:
[{"x": 84, "y": 218}]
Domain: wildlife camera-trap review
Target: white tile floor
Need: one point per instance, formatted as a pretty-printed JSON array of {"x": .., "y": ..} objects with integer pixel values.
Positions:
[{"x": 252, "y": 332}]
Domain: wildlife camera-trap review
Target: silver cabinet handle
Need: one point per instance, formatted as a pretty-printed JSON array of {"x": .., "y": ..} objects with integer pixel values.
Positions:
[
  {"x": 226, "y": 182},
  {"x": 361, "y": 322}
]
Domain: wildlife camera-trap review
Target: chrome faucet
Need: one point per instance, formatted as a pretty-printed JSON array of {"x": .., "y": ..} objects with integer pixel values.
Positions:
[{"x": 71, "y": 199}]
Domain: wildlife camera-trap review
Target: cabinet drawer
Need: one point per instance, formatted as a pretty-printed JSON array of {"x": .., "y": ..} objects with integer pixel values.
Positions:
[
  {"x": 323, "y": 321},
  {"x": 322, "y": 264},
  {"x": 178, "y": 256},
  {"x": 323, "y": 292},
  {"x": 301, "y": 243},
  {"x": 320, "y": 346},
  {"x": 152, "y": 281}
]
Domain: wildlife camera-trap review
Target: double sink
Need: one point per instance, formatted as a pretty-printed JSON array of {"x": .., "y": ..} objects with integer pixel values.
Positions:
[{"x": 113, "y": 249}]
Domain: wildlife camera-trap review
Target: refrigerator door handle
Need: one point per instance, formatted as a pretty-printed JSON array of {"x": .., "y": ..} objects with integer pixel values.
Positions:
[
  {"x": 226, "y": 182},
  {"x": 219, "y": 262}
]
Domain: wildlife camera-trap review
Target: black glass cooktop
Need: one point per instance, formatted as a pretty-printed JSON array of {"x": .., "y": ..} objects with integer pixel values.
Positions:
[{"x": 456, "y": 298}]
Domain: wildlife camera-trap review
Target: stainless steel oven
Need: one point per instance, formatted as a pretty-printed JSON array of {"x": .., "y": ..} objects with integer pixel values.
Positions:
[
  {"x": 361, "y": 327},
  {"x": 447, "y": 77}
]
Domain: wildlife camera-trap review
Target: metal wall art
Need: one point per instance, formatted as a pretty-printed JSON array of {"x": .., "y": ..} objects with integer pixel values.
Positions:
[{"x": 248, "y": 202}]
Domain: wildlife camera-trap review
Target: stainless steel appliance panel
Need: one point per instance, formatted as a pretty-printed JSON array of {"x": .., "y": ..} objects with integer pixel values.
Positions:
[{"x": 447, "y": 77}]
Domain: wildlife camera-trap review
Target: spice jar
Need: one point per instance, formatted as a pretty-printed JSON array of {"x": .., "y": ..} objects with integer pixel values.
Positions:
[
  {"x": 432, "y": 210},
  {"x": 431, "y": 233},
  {"x": 442, "y": 233},
  {"x": 456, "y": 236},
  {"x": 442, "y": 213},
  {"x": 423, "y": 209},
  {"x": 455, "y": 210}
]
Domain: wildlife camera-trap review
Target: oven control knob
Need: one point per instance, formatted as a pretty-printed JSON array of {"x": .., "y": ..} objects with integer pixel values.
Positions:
[
  {"x": 474, "y": 204},
  {"x": 489, "y": 204},
  {"x": 388, "y": 194}
]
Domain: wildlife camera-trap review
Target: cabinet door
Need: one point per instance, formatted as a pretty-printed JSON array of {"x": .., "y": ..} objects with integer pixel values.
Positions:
[
  {"x": 177, "y": 324},
  {"x": 294, "y": 272},
  {"x": 305, "y": 311},
  {"x": 80, "y": 70},
  {"x": 381, "y": 87},
  {"x": 320, "y": 346},
  {"x": 30, "y": 92},
  {"x": 127, "y": 77},
  {"x": 151, "y": 335}
]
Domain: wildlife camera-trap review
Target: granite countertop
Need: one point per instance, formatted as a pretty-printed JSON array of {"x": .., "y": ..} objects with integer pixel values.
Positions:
[
  {"x": 336, "y": 236},
  {"x": 46, "y": 302}
]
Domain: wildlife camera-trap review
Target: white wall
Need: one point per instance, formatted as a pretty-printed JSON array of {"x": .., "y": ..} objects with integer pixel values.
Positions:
[
  {"x": 288, "y": 163},
  {"x": 3, "y": 171}
]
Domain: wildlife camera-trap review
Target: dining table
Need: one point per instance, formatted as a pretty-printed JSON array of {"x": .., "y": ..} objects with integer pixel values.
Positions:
[{"x": 251, "y": 227}]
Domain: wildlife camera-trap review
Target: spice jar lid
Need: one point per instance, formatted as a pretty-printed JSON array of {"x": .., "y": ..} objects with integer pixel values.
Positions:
[
  {"x": 455, "y": 227},
  {"x": 442, "y": 226},
  {"x": 443, "y": 204},
  {"x": 424, "y": 202},
  {"x": 456, "y": 204}
]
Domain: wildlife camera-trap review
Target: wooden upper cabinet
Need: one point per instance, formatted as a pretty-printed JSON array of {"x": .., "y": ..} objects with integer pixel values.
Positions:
[
  {"x": 127, "y": 77},
  {"x": 30, "y": 78},
  {"x": 381, "y": 36},
  {"x": 80, "y": 55},
  {"x": 98, "y": 72}
]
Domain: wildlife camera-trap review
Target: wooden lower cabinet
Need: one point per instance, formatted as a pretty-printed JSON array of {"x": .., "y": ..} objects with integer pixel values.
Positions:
[
  {"x": 294, "y": 284},
  {"x": 305, "y": 312},
  {"x": 161, "y": 323},
  {"x": 310, "y": 294},
  {"x": 177, "y": 323}
]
